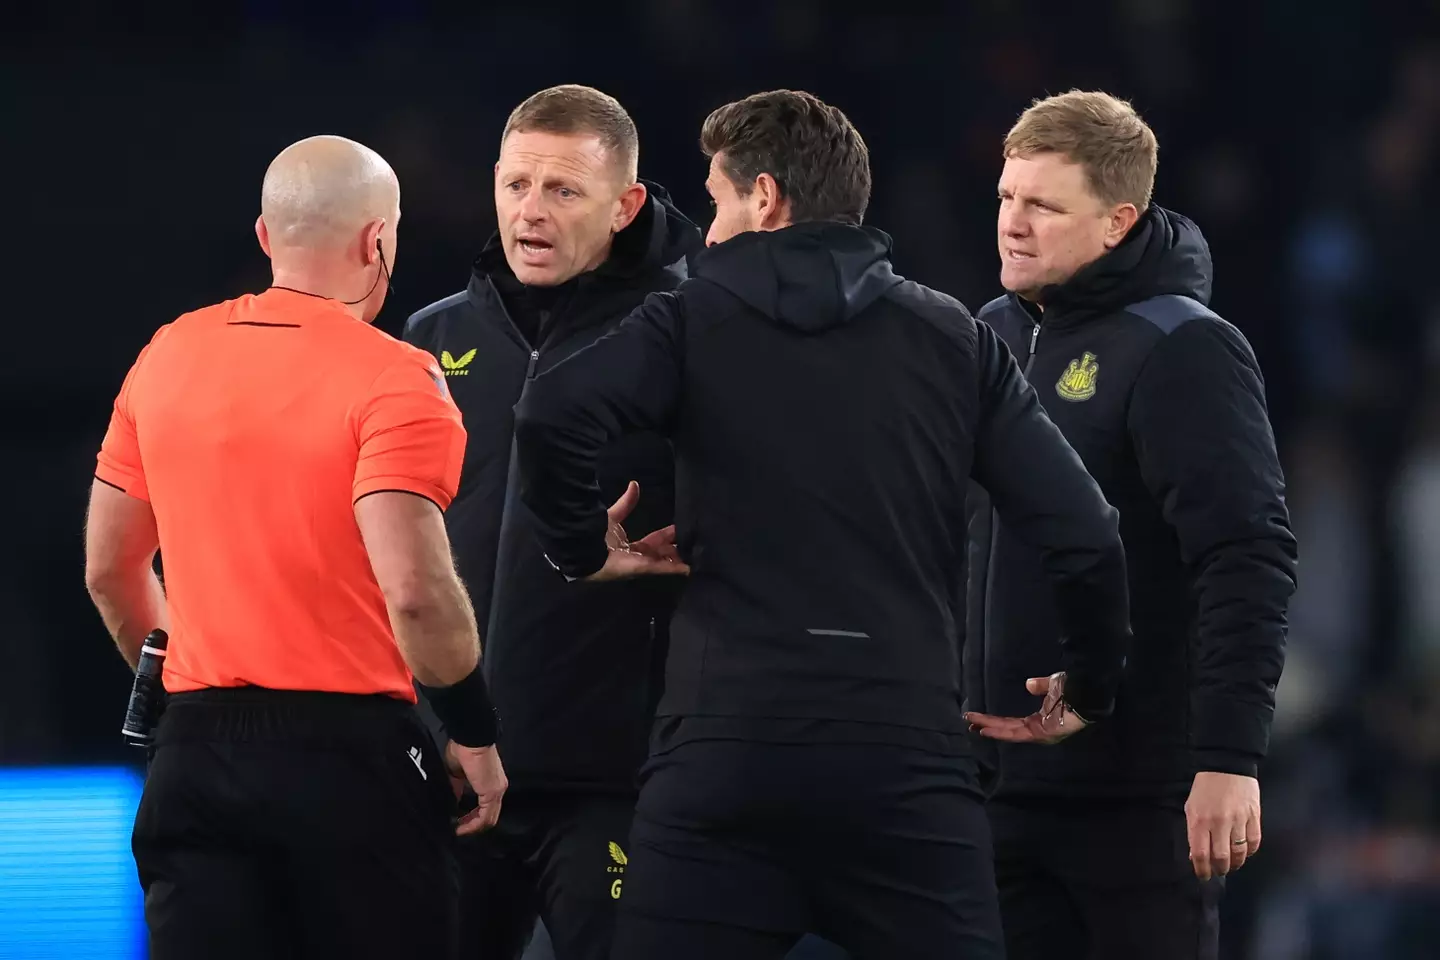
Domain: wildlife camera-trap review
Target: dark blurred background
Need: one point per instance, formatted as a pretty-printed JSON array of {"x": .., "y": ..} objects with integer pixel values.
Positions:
[{"x": 1301, "y": 136}]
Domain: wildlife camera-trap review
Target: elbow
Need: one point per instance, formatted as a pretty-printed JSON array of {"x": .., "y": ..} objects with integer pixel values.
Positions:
[
  {"x": 414, "y": 602},
  {"x": 100, "y": 581},
  {"x": 1107, "y": 527},
  {"x": 1102, "y": 535}
]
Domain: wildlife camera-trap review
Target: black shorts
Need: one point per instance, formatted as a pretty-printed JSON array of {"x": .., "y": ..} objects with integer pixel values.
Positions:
[
  {"x": 1112, "y": 881},
  {"x": 561, "y": 857},
  {"x": 290, "y": 824},
  {"x": 740, "y": 847}
]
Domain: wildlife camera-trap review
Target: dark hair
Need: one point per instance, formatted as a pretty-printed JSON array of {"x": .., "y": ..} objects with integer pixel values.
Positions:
[
  {"x": 813, "y": 151},
  {"x": 571, "y": 108}
]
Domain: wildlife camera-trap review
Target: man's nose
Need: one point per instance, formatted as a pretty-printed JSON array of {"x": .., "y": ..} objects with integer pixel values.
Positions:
[
  {"x": 1013, "y": 223},
  {"x": 532, "y": 206}
]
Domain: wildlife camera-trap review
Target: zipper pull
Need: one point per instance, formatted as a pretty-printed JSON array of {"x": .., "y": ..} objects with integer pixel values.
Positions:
[
  {"x": 1034, "y": 336},
  {"x": 530, "y": 370}
]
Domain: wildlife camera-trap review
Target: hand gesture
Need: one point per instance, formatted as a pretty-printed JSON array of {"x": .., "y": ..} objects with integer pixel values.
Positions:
[
  {"x": 481, "y": 767},
  {"x": 1053, "y": 722},
  {"x": 653, "y": 554}
]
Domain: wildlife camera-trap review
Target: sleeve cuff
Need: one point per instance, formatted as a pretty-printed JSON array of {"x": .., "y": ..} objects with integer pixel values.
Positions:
[
  {"x": 1087, "y": 696},
  {"x": 581, "y": 563},
  {"x": 1224, "y": 761},
  {"x": 1232, "y": 736},
  {"x": 421, "y": 488},
  {"x": 121, "y": 480}
]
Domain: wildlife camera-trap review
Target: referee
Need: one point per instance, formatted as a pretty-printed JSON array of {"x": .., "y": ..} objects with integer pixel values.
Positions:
[
  {"x": 810, "y": 769},
  {"x": 292, "y": 463}
]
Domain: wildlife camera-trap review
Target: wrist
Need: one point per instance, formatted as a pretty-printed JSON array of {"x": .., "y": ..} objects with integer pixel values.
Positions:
[
  {"x": 465, "y": 710},
  {"x": 590, "y": 564},
  {"x": 1225, "y": 761},
  {"x": 1086, "y": 698}
]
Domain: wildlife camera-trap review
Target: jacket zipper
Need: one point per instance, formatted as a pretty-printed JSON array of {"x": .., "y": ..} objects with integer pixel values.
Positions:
[
  {"x": 530, "y": 370},
  {"x": 994, "y": 544}
]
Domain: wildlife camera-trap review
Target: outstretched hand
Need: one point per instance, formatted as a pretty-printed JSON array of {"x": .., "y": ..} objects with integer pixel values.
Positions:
[
  {"x": 652, "y": 554},
  {"x": 1053, "y": 722}
]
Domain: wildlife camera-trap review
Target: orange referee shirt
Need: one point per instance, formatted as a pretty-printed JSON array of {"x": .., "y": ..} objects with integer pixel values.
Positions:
[{"x": 252, "y": 427}]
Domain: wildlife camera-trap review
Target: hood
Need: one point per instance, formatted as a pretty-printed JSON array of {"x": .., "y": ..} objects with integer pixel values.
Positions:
[
  {"x": 660, "y": 236},
  {"x": 1164, "y": 253},
  {"x": 810, "y": 276}
]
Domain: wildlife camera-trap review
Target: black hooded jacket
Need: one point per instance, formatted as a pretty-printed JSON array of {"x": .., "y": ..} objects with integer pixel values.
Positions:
[
  {"x": 574, "y": 669},
  {"x": 1164, "y": 402},
  {"x": 827, "y": 415}
]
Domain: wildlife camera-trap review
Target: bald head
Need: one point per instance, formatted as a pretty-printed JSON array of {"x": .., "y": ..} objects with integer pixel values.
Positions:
[{"x": 320, "y": 192}]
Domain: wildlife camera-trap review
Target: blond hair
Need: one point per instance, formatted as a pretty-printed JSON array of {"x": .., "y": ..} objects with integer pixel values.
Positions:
[{"x": 1101, "y": 133}]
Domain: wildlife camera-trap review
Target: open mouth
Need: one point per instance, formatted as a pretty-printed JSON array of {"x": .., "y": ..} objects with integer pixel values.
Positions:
[{"x": 535, "y": 247}]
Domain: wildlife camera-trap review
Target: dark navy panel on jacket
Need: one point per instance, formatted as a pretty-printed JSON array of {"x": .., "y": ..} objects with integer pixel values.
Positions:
[
  {"x": 574, "y": 669},
  {"x": 1164, "y": 402}
]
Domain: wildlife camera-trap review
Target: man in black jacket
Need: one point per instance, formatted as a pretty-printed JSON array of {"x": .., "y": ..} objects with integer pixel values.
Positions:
[
  {"x": 810, "y": 768},
  {"x": 574, "y": 670},
  {"x": 1164, "y": 402}
]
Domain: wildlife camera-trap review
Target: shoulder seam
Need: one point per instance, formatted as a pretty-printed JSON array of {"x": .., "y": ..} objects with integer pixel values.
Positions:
[
  {"x": 430, "y": 310},
  {"x": 997, "y": 304},
  {"x": 1171, "y": 311}
]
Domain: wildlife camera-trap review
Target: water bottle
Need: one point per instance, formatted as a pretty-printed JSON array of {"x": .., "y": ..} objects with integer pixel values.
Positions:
[{"x": 147, "y": 695}]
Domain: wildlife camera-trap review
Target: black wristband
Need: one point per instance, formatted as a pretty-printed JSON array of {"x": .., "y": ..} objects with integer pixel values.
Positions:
[{"x": 465, "y": 710}]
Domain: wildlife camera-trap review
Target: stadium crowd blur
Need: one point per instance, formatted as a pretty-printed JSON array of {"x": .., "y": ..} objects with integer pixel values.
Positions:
[{"x": 1303, "y": 138}]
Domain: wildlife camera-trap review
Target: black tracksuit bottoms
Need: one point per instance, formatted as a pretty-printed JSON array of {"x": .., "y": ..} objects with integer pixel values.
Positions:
[
  {"x": 740, "y": 847},
  {"x": 285, "y": 824},
  {"x": 561, "y": 856},
  {"x": 1101, "y": 880}
]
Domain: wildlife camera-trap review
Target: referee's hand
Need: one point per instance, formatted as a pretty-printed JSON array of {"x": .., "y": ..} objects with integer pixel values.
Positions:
[{"x": 481, "y": 767}]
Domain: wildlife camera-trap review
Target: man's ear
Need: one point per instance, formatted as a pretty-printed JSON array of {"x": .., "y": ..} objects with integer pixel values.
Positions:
[
  {"x": 773, "y": 208},
  {"x": 262, "y": 233},
  {"x": 628, "y": 205},
  {"x": 1122, "y": 218},
  {"x": 370, "y": 241}
]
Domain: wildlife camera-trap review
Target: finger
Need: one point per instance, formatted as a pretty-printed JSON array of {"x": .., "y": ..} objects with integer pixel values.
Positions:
[
  {"x": 1252, "y": 832},
  {"x": 662, "y": 541},
  {"x": 1199, "y": 846},
  {"x": 1220, "y": 847},
  {"x": 656, "y": 545},
  {"x": 1008, "y": 734},
  {"x": 1039, "y": 686},
  {"x": 987, "y": 719},
  {"x": 622, "y": 507},
  {"x": 470, "y": 824},
  {"x": 482, "y": 818},
  {"x": 666, "y": 567},
  {"x": 1009, "y": 727},
  {"x": 1239, "y": 843},
  {"x": 1010, "y": 730}
]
